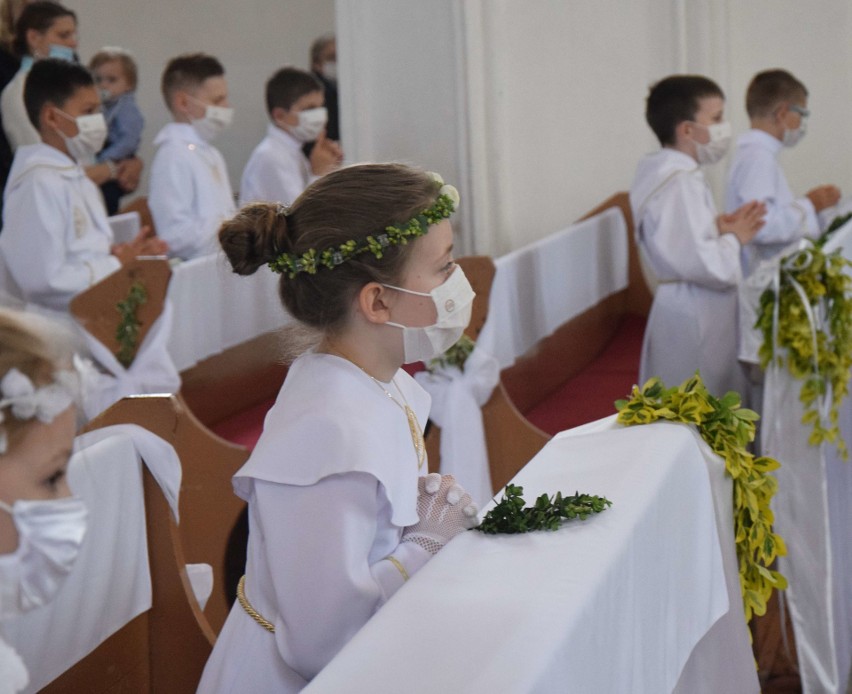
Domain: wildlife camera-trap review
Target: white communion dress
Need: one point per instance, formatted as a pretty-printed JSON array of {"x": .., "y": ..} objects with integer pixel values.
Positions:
[{"x": 330, "y": 487}]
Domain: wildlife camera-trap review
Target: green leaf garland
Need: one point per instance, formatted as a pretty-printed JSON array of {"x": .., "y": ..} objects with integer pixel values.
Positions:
[
  {"x": 511, "y": 516},
  {"x": 824, "y": 279},
  {"x": 455, "y": 356},
  {"x": 728, "y": 429},
  {"x": 127, "y": 332}
]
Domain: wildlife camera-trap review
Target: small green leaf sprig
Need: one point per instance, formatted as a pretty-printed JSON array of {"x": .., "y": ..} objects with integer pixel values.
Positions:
[
  {"x": 313, "y": 260},
  {"x": 728, "y": 429},
  {"x": 455, "y": 356},
  {"x": 825, "y": 280},
  {"x": 511, "y": 516},
  {"x": 127, "y": 332}
]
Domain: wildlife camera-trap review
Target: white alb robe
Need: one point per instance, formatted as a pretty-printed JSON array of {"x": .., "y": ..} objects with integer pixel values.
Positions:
[
  {"x": 330, "y": 486},
  {"x": 693, "y": 321},
  {"x": 277, "y": 171},
  {"x": 56, "y": 238},
  {"x": 756, "y": 175},
  {"x": 190, "y": 193}
]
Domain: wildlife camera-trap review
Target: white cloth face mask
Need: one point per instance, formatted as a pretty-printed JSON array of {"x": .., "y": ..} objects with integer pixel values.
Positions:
[
  {"x": 311, "y": 123},
  {"x": 454, "y": 302},
  {"x": 329, "y": 70},
  {"x": 793, "y": 137},
  {"x": 89, "y": 140},
  {"x": 720, "y": 139},
  {"x": 215, "y": 120},
  {"x": 50, "y": 533}
]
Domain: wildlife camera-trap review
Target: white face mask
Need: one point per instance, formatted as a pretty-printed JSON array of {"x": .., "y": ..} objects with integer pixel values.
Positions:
[
  {"x": 89, "y": 140},
  {"x": 720, "y": 140},
  {"x": 453, "y": 301},
  {"x": 329, "y": 70},
  {"x": 311, "y": 123},
  {"x": 50, "y": 533},
  {"x": 793, "y": 137},
  {"x": 215, "y": 120}
]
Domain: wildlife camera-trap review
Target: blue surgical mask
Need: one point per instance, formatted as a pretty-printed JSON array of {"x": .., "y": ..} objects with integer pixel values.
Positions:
[{"x": 62, "y": 52}]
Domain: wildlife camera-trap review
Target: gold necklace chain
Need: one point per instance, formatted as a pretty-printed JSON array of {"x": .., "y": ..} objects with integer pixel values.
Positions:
[{"x": 413, "y": 425}]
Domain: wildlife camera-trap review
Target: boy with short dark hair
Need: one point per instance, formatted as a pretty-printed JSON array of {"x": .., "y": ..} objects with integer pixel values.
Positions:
[
  {"x": 56, "y": 240},
  {"x": 777, "y": 106},
  {"x": 278, "y": 170},
  {"x": 190, "y": 193},
  {"x": 688, "y": 251}
]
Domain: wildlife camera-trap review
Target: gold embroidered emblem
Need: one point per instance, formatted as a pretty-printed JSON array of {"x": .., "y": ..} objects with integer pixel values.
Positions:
[{"x": 79, "y": 222}]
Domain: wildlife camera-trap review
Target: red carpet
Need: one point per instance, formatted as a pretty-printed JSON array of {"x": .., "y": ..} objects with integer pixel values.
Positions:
[
  {"x": 590, "y": 394},
  {"x": 245, "y": 427}
]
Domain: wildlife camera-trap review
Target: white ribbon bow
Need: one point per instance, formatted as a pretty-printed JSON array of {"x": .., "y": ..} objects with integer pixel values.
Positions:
[{"x": 457, "y": 399}]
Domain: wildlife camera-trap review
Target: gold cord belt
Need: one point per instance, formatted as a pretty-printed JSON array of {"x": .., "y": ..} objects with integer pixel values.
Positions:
[{"x": 250, "y": 611}]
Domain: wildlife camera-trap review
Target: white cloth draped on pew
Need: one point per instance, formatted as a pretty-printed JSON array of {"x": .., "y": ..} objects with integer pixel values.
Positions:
[
  {"x": 813, "y": 506},
  {"x": 641, "y": 598},
  {"x": 110, "y": 582},
  {"x": 539, "y": 287},
  {"x": 216, "y": 309},
  {"x": 152, "y": 370},
  {"x": 457, "y": 400}
]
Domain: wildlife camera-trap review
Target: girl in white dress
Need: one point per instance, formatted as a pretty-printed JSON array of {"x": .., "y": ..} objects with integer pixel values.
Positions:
[
  {"x": 41, "y": 525},
  {"x": 339, "y": 515}
]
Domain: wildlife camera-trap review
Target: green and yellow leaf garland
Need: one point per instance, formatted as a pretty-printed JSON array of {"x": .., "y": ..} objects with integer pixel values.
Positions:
[
  {"x": 728, "y": 429},
  {"x": 825, "y": 282}
]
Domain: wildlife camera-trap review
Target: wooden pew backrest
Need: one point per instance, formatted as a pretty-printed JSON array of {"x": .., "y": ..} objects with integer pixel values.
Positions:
[{"x": 96, "y": 309}]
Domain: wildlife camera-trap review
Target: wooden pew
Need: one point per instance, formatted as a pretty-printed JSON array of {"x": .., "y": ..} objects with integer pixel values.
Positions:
[
  {"x": 166, "y": 648},
  {"x": 95, "y": 309}
]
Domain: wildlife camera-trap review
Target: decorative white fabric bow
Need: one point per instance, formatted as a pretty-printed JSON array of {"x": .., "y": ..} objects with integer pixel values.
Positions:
[
  {"x": 457, "y": 399},
  {"x": 26, "y": 401}
]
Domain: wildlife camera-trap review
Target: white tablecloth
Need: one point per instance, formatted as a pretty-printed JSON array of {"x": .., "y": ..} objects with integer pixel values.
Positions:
[
  {"x": 110, "y": 583},
  {"x": 216, "y": 309},
  {"x": 634, "y": 600},
  {"x": 539, "y": 287}
]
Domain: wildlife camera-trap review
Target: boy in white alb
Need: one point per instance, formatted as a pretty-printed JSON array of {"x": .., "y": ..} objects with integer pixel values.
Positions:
[
  {"x": 777, "y": 107},
  {"x": 278, "y": 170},
  {"x": 190, "y": 193},
  {"x": 689, "y": 251},
  {"x": 56, "y": 240}
]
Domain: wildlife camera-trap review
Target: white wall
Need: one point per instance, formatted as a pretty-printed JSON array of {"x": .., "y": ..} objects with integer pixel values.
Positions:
[
  {"x": 252, "y": 39},
  {"x": 550, "y": 94}
]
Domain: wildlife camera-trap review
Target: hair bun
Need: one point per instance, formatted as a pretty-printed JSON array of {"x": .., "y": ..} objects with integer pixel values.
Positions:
[{"x": 255, "y": 236}]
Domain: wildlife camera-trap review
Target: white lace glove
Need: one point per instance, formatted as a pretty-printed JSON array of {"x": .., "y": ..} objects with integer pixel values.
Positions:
[{"x": 444, "y": 509}]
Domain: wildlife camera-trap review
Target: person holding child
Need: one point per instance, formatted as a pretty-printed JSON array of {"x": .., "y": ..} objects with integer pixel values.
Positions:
[
  {"x": 339, "y": 515},
  {"x": 41, "y": 525},
  {"x": 686, "y": 248},
  {"x": 278, "y": 170},
  {"x": 190, "y": 194},
  {"x": 56, "y": 239},
  {"x": 777, "y": 106},
  {"x": 116, "y": 77}
]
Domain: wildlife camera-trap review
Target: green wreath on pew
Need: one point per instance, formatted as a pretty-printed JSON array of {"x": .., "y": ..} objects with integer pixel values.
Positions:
[
  {"x": 728, "y": 429},
  {"x": 824, "y": 280}
]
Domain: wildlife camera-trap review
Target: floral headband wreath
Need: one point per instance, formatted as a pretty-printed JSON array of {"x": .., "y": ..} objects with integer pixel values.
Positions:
[
  {"x": 26, "y": 401},
  {"x": 313, "y": 259}
]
